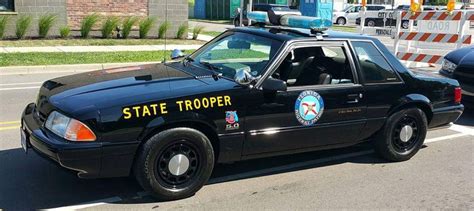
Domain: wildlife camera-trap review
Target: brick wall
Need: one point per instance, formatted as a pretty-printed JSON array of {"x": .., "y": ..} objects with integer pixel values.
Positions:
[{"x": 77, "y": 9}]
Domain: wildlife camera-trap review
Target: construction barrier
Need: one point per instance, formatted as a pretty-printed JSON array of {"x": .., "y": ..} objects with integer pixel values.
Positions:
[{"x": 433, "y": 27}]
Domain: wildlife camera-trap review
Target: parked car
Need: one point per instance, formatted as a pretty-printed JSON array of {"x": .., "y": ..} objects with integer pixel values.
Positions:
[
  {"x": 459, "y": 64},
  {"x": 278, "y": 8},
  {"x": 350, "y": 14},
  {"x": 249, "y": 93},
  {"x": 379, "y": 21}
]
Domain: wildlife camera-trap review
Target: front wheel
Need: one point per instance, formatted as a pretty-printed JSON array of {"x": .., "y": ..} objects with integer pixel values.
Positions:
[
  {"x": 402, "y": 136},
  {"x": 341, "y": 21},
  {"x": 174, "y": 163}
]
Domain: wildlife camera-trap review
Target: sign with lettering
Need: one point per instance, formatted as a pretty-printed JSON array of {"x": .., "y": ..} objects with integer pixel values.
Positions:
[{"x": 442, "y": 27}]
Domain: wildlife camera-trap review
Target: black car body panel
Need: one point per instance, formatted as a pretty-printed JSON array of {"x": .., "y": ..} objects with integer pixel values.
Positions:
[
  {"x": 464, "y": 71},
  {"x": 126, "y": 106}
]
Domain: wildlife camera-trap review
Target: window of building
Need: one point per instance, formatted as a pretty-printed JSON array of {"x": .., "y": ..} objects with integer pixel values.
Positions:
[
  {"x": 7, "y": 6},
  {"x": 374, "y": 67}
]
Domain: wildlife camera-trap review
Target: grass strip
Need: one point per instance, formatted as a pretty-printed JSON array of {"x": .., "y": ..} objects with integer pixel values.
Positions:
[
  {"x": 344, "y": 28},
  {"x": 93, "y": 42},
  {"x": 28, "y": 59}
]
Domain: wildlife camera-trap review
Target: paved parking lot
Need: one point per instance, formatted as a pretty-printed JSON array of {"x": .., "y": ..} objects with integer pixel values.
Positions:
[{"x": 438, "y": 177}]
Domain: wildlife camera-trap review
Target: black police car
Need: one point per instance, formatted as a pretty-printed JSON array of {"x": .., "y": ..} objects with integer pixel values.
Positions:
[
  {"x": 249, "y": 93},
  {"x": 459, "y": 64}
]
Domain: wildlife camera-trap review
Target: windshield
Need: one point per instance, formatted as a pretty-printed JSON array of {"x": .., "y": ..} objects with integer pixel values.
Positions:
[{"x": 236, "y": 51}]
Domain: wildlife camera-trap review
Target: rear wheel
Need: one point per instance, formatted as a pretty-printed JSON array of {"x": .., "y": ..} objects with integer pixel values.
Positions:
[
  {"x": 174, "y": 163},
  {"x": 371, "y": 23},
  {"x": 402, "y": 136},
  {"x": 405, "y": 24}
]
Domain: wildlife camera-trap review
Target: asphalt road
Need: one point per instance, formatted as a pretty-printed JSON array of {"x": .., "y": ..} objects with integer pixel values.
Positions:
[{"x": 438, "y": 177}]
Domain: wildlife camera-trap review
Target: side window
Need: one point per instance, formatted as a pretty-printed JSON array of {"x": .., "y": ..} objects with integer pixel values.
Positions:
[
  {"x": 311, "y": 66},
  {"x": 374, "y": 67}
]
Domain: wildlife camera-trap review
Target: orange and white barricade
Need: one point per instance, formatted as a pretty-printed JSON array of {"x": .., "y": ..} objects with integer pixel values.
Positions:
[{"x": 438, "y": 27}]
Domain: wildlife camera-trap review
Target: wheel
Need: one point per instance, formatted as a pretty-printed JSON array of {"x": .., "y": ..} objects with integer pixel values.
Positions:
[
  {"x": 236, "y": 22},
  {"x": 371, "y": 23},
  {"x": 174, "y": 163},
  {"x": 405, "y": 24},
  {"x": 341, "y": 21},
  {"x": 402, "y": 135}
]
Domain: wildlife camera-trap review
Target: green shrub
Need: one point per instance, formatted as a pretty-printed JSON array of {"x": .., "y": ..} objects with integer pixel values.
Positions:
[
  {"x": 87, "y": 24},
  {"x": 45, "y": 23},
  {"x": 196, "y": 31},
  {"x": 64, "y": 32},
  {"x": 127, "y": 26},
  {"x": 3, "y": 25},
  {"x": 109, "y": 26},
  {"x": 163, "y": 29},
  {"x": 144, "y": 27},
  {"x": 182, "y": 32},
  {"x": 23, "y": 23}
]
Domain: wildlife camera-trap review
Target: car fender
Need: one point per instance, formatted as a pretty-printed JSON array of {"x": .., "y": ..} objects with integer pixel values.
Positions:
[
  {"x": 184, "y": 119},
  {"x": 409, "y": 100}
]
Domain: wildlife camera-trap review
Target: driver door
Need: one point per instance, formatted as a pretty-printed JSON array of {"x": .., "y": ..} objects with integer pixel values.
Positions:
[{"x": 319, "y": 108}]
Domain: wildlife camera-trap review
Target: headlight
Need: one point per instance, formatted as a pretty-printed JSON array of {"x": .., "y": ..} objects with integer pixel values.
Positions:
[
  {"x": 448, "y": 66},
  {"x": 69, "y": 128}
]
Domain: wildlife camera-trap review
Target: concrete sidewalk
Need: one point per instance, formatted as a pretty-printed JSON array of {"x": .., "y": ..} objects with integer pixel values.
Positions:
[{"x": 114, "y": 48}]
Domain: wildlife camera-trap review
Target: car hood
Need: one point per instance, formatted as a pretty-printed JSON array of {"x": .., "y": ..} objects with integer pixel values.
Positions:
[
  {"x": 94, "y": 90},
  {"x": 462, "y": 56}
]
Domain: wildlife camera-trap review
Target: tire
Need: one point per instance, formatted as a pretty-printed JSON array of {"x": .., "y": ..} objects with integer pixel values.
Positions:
[
  {"x": 160, "y": 161},
  {"x": 405, "y": 24},
  {"x": 394, "y": 142},
  {"x": 371, "y": 23},
  {"x": 236, "y": 22},
  {"x": 341, "y": 21}
]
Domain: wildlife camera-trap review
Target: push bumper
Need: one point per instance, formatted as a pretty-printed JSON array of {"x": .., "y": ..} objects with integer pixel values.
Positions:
[
  {"x": 89, "y": 160},
  {"x": 445, "y": 115}
]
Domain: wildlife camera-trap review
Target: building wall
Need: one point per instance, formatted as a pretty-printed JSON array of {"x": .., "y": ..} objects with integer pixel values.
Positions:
[
  {"x": 71, "y": 12},
  {"x": 177, "y": 14},
  {"x": 78, "y": 9},
  {"x": 36, "y": 8}
]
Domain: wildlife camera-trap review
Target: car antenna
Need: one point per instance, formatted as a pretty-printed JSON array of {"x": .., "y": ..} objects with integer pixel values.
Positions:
[{"x": 166, "y": 37}]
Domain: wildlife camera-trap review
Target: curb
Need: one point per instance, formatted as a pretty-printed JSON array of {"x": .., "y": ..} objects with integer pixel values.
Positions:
[{"x": 74, "y": 68}]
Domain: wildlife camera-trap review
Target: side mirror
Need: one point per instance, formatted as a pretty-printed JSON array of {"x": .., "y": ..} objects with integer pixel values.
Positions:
[
  {"x": 243, "y": 77},
  {"x": 176, "y": 54},
  {"x": 273, "y": 84}
]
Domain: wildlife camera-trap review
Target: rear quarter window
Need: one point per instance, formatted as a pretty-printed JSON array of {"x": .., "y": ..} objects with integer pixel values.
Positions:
[{"x": 373, "y": 65}]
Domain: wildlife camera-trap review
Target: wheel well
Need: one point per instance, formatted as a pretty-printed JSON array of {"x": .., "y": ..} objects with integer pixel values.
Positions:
[
  {"x": 425, "y": 108},
  {"x": 203, "y": 128},
  {"x": 342, "y": 17}
]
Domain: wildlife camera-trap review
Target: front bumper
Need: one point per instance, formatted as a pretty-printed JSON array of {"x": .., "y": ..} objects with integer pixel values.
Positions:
[
  {"x": 445, "y": 115},
  {"x": 89, "y": 160}
]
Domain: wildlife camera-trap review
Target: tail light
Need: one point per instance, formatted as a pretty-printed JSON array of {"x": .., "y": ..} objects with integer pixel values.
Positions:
[{"x": 457, "y": 94}]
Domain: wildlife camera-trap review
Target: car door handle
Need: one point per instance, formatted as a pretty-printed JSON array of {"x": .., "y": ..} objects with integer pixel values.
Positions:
[{"x": 354, "y": 98}]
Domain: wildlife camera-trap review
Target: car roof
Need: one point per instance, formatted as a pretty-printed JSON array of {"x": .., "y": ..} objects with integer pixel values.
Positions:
[{"x": 286, "y": 34}]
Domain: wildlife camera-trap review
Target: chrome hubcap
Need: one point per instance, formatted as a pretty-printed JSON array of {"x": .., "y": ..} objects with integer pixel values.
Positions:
[
  {"x": 406, "y": 133},
  {"x": 178, "y": 164}
]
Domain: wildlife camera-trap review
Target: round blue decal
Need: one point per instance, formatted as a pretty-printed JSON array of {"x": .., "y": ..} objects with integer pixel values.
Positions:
[{"x": 309, "y": 107}]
